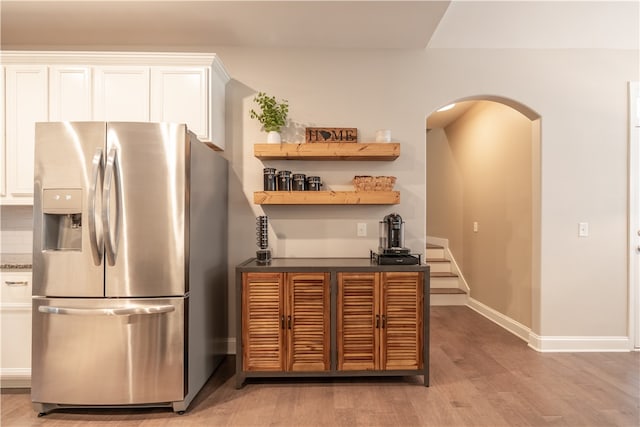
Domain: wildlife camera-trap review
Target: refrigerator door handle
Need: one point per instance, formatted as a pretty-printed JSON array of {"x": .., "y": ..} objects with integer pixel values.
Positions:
[
  {"x": 96, "y": 241},
  {"x": 111, "y": 174},
  {"x": 119, "y": 311}
]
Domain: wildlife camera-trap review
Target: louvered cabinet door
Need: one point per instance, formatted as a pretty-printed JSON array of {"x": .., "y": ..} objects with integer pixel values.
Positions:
[
  {"x": 308, "y": 321},
  {"x": 357, "y": 335},
  {"x": 262, "y": 315},
  {"x": 402, "y": 326}
]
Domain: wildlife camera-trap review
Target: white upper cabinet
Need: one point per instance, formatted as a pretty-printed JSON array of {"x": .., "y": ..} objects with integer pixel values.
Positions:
[
  {"x": 121, "y": 94},
  {"x": 69, "y": 93},
  {"x": 102, "y": 86},
  {"x": 26, "y": 102},
  {"x": 3, "y": 163},
  {"x": 180, "y": 95}
]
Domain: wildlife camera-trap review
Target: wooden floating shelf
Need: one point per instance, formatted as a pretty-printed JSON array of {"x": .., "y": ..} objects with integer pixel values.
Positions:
[
  {"x": 326, "y": 197},
  {"x": 328, "y": 151}
]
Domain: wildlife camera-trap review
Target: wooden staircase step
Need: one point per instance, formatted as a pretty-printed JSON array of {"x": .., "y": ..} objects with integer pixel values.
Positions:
[
  {"x": 447, "y": 291},
  {"x": 439, "y": 265},
  {"x": 446, "y": 285},
  {"x": 442, "y": 274}
]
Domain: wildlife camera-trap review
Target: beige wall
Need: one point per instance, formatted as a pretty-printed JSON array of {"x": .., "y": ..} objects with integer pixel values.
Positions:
[
  {"x": 580, "y": 95},
  {"x": 333, "y": 88},
  {"x": 491, "y": 148},
  {"x": 445, "y": 193}
]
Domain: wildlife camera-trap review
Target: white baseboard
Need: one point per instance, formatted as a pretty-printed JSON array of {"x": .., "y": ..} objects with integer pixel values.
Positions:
[
  {"x": 15, "y": 377},
  {"x": 579, "y": 343},
  {"x": 516, "y": 328},
  {"x": 552, "y": 343}
]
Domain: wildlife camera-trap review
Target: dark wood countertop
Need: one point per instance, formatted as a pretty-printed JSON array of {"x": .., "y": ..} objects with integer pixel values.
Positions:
[{"x": 324, "y": 264}]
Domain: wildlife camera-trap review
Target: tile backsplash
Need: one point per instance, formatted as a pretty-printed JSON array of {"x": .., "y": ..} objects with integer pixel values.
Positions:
[{"x": 16, "y": 229}]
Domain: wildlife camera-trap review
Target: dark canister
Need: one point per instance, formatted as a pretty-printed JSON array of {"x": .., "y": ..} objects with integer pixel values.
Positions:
[
  {"x": 269, "y": 179},
  {"x": 284, "y": 180},
  {"x": 314, "y": 183},
  {"x": 299, "y": 182}
]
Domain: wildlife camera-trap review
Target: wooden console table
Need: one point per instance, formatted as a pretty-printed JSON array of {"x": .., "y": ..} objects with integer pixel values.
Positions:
[{"x": 336, "y": 317}]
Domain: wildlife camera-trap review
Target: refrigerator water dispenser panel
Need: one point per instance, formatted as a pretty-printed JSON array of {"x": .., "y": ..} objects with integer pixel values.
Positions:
[
  {"x": 62, "y": 219},
  {"x": 62, "y": 200}
]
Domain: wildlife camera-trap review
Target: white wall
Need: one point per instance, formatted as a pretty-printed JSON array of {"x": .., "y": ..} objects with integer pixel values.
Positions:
[
  {"x": 580, "y": 95},
  {"x": 341, "y": 93}
]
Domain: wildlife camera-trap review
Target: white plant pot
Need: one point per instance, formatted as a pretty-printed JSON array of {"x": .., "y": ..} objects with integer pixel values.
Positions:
[{"x": 273, "y": 137}]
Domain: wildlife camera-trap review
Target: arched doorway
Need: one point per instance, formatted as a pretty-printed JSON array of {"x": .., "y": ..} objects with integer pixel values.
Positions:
[{"x": 483, "y": 204}]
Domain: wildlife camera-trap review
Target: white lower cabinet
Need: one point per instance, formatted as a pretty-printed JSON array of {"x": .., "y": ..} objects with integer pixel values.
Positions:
[
  {"x": 15, "y": 328},
  {"x": 3, "y": 162}
]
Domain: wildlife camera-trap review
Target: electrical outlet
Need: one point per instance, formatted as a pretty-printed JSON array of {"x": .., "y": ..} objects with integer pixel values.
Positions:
[
  {"x": 362, "y": 229},
  {"x": 583, "y": 229}
]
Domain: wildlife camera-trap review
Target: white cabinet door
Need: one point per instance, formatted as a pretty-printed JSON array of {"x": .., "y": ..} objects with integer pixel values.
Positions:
[
  {"x": 26, "y": 104},
  {"x": 70, "y": 93},
  {"x": 121, "y": 93},
  {"x": 15, "y": 328},
  {"x": 3, "y": 164},
  {"x": 180, "y": 95},
  {"x": 162, "y": 87}
]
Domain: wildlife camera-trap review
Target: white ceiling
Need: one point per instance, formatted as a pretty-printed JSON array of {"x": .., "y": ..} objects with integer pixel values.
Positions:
[
  {"x": 540, "y": 25},
  {"x": 199, "y": 25},
  {"x": 176, "y": 24}
]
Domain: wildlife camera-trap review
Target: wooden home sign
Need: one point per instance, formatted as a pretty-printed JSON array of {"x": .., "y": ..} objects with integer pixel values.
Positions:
[{"x": 331, "y": 134}]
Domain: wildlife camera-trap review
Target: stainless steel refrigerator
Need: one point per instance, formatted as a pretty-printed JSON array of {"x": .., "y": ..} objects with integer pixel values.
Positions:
[{"x": 129, "y": 265}]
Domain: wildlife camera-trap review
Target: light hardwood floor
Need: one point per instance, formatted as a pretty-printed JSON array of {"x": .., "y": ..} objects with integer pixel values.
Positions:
[{"x": 481, "y": 375}]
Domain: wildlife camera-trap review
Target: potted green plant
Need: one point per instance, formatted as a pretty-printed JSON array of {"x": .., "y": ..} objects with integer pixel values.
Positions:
[{"x": 273, "y": 115}]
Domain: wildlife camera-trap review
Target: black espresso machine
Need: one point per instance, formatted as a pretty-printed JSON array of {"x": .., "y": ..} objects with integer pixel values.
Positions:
[{"x": 391, "y": 249}]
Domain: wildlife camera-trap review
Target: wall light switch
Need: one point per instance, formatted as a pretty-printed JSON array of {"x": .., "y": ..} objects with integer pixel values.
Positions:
[
  {"x": 475, "y": 226},
  {"x": 583, "y": 229},
  {"x": 362, "y": 229}
]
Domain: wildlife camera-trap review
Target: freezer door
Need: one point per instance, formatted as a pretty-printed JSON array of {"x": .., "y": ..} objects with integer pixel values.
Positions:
[
  {"x": 145, "y": 209},
  {"x": 108, "y": 352},
  {"x": 67, "y": 235}
]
